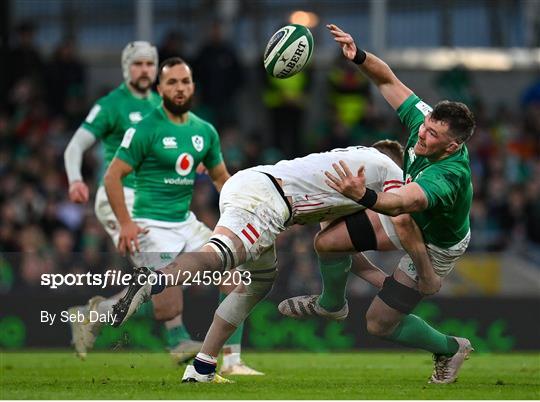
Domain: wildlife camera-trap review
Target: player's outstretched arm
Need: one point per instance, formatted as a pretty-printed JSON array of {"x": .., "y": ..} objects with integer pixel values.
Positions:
[
  {"x": 219, "y": 175},
  {"x": 129, "y": 230},
  {"x": 391, "y": 88},
  {"x": 73, "y": 155}
]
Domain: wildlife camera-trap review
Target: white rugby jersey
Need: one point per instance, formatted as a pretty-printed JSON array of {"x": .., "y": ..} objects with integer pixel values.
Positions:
[{"x": 313, "y": 201}]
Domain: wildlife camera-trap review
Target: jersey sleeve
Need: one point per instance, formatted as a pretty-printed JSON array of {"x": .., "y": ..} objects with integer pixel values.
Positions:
[
  {"x": 440, "y": 185},
  {"x": 412, "y": 113},
  {"x": 393, "y": 178},
  {"x": 99, "y": 120},
  {"x": 214, "y": 156},
  {"x": 134, "y": 147}
]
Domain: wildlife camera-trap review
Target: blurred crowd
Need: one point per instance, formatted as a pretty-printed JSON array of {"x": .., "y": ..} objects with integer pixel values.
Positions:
[{"x": 44, "y": 99}]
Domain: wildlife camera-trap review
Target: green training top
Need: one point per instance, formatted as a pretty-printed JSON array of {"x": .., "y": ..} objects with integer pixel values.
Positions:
[
  {"x": 446, "y": 183},
  {"x": 113, "y": 114},
  {"x": 164, "y": 156}
]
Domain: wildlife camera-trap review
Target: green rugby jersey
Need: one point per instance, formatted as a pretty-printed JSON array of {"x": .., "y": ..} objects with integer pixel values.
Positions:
[
  {"x": 164, "y": 156},
  {"x": 113, "y": 114},
  {"x": 446, "y": 183}
]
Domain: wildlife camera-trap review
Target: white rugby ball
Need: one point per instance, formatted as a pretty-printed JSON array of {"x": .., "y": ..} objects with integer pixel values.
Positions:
[{"x": 288, "y": 51}]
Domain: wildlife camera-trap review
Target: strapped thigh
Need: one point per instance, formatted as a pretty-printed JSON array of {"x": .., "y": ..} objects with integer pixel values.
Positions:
[
  {"x": 361, "y": 231},
  {"x": 224, "y": 248}
]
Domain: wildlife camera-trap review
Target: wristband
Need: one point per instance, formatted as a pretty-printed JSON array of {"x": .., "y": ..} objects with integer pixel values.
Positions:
[
  {"x": 359, "y": 57},
  {"x": 369, "y": 199}
]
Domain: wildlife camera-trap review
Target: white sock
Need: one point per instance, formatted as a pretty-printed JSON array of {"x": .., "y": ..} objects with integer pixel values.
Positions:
[
  {"x": 232, "y": 356},
  {"x": 206, "y": 358},
  {"x": 106, "y": 306}
]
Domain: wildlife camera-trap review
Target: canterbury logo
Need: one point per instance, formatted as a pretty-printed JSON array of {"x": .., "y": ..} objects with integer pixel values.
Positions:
[{"x": 169, "y": 142}]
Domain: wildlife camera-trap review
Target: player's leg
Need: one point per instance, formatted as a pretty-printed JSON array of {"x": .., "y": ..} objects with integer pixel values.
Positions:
[
  {"x": 361, "y": 231},
  {"x": 232, "y": 312},
  {"x": 84, "y": 333},
  {"x": 334, "y": 244},
  {"x": 389, "y": 317},
  {"x": 232, "y": 348},
  {"x": 159, "y": 246},
  {"x": 197, "y": 234}
]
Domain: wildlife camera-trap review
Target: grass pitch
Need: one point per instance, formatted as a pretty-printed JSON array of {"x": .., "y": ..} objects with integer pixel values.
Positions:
[{"x": 355, "y": 375}]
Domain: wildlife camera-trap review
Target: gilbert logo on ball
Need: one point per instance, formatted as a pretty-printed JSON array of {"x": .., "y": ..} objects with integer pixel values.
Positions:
[{"x": 288, "y": 51}]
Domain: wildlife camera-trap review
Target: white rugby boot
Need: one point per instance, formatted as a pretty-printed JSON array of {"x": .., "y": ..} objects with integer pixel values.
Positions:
[
  {"x": 84, "y": 333},
  {"x": 238, "y": 369},
  {"x": 139, "y": 291},
  {"x": 308, "y": 306},
  {"x": 185, "y": 351},
  {"x": 191, "y": 375},
  {"x": 445, "y": 368}
]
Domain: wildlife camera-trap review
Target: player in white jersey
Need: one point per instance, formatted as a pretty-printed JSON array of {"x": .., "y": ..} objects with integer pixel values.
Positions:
[
  {"x": 304, "y": 181},
  {"x": 256, "y": 205}
]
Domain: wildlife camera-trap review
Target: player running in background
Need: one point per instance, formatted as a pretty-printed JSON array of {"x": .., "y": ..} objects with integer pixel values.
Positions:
[
  {"x": 164, "y": 150},
  {"x": 256, "y": 205},
  {"x": 438, "y": 195},
  {"x": 107, "y": 121}
]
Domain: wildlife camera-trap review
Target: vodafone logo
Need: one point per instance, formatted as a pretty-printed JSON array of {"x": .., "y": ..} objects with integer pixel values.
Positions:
[{"x": 184, "y": 164}]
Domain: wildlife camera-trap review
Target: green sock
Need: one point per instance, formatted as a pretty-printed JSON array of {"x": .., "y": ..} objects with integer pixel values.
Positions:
[
  {"x": 414, "y": 332},
  {"x": 176, "y": 335},
  {"x": 334, "y": 273},
  {"x": 236, "y": 337}
]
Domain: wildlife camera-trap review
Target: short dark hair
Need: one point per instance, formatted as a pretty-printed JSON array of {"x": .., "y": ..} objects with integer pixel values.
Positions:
[
  {"x": 392, "y": 149},
  {"x": 171, "y": 61},
  {"x": 459, "y": 118}
]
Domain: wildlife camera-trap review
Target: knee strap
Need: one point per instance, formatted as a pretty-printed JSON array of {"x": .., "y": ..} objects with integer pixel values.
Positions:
[
  {"x": 361, "y": 231},
  {"x": 224, "y": 248},
  {"x": 398, "y": 296}
]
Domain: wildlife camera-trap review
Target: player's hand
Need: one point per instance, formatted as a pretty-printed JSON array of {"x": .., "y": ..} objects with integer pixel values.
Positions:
[
  {"x": 351, "y": 186},
  {"x": 344, "y": 39},
  {"x": 78, "y": 192},
  {"x": 430, "y": 284},
  {"x": 128, "y": 241}
]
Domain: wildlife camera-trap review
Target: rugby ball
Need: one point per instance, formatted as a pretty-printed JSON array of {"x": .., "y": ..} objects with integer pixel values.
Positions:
[{"x": 288, "y": 51}]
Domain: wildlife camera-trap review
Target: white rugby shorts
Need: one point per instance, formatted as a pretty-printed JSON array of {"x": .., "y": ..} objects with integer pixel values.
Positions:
[
  {"x": 165, "y": 240},
  {"x": 390, "y": 230},
  {"x": 254, "y": 210},
  {"x": 105, "y": 214},
  {"x": 443, "y": 259}
]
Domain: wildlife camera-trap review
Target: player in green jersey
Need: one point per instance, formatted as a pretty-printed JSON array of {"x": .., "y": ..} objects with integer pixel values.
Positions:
[
  {"x": 164, "y": 150},
  {"x": 437, "y": 194},
  {"x": 107, "y": 121}
]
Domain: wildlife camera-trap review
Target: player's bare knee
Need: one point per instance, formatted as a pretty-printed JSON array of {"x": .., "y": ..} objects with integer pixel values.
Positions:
[
  {"x": 403, "y": 220},
  {"x": 322, "y": 244},
  {"x": 238, "y": 304}
]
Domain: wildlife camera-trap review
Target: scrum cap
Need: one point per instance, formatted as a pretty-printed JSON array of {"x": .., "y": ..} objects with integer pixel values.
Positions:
[{"x": 135, "y": 51}]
